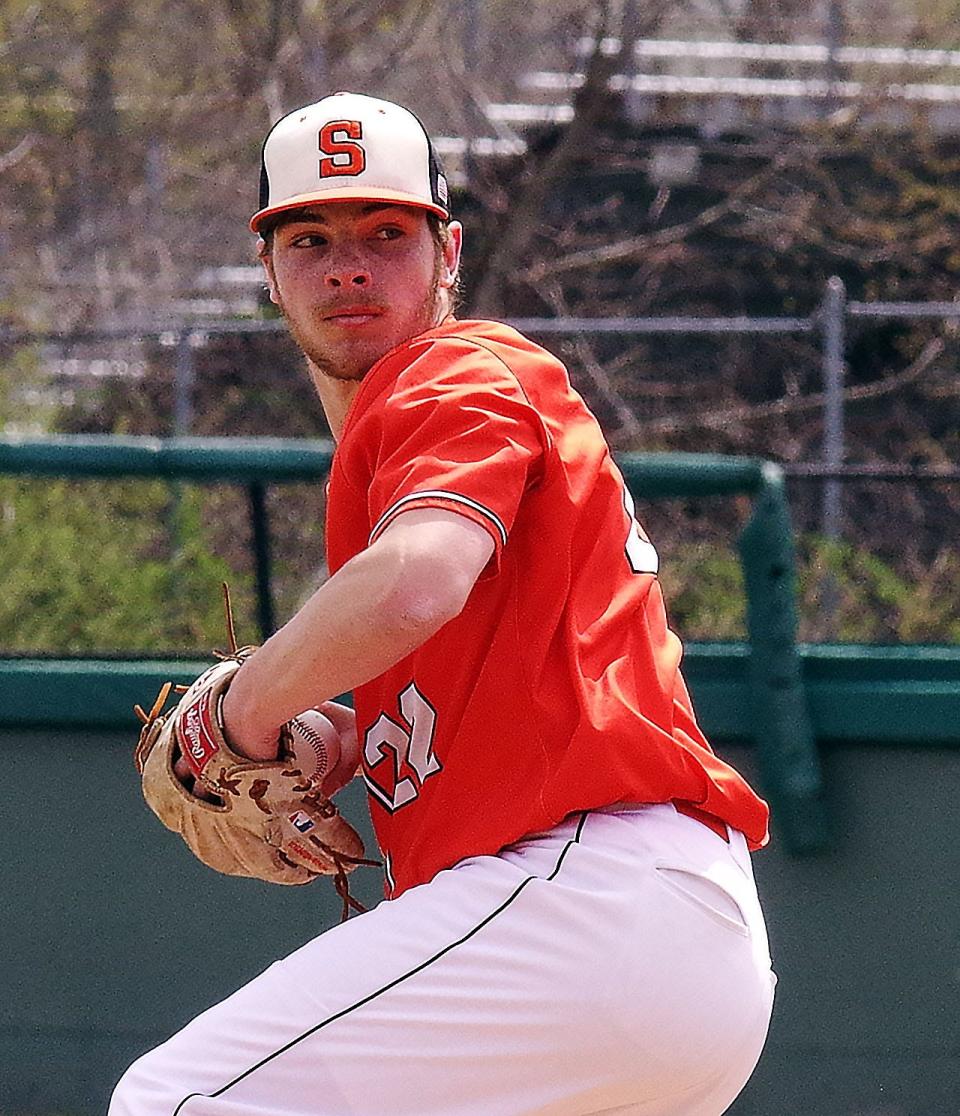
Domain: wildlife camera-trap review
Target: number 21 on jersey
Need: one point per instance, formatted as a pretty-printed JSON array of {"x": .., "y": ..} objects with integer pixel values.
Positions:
[
  {"x": 409, "y": 744},
  {"x": 641, "y": 554}
]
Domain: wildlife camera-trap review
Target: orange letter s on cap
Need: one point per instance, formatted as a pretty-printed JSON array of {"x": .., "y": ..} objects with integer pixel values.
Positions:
[{"x": 336, "y": 141}]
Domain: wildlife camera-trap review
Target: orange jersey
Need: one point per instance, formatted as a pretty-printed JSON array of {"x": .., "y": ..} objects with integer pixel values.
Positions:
[{"x": 558, "y": 686}]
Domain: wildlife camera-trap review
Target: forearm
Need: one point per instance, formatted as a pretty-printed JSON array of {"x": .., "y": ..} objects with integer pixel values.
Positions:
[
  {"x": 376, "y": 609},
  {"x": 349, "y": 631}
]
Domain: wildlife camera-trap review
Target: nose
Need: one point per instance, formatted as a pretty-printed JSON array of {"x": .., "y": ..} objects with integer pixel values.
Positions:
[{"x": 347, "y": 274}]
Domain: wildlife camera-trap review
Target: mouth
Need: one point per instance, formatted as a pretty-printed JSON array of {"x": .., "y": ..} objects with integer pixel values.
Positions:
[{"x": 352, "y": 315}]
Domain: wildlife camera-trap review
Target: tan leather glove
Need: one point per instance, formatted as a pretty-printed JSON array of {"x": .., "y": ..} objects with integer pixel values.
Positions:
[{"x": 259, "y": 819}]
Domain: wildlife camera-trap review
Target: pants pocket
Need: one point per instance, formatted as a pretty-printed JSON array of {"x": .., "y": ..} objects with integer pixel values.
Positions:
[{"x": 708, "y": 896}]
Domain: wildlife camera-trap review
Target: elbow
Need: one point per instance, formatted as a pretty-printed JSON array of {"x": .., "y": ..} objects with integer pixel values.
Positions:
[
  {"x": 431, "y": 561},
  {"x": 430, "y": 602},
  {"x": 429, "y": 595}
]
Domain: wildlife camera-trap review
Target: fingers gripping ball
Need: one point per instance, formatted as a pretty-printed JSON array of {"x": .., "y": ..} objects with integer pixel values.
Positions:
[{"x": 313, "y": 744}]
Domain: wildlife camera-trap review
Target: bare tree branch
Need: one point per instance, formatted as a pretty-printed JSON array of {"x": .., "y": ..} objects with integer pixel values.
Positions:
[
  {"x": 624, "y": 250},
  {"x": 630, "y": 426},
  {"x": 415, "y": 23},
  {"x": 589, "y": 107},
  {"x": 931, "y": 352},
  {"x": 12, "y": 157}
]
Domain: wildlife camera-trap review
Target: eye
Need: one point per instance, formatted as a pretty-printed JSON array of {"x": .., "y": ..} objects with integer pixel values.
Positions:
[
  {"x": 308, "y": 240},
  {"x": 389, "y": 232}
]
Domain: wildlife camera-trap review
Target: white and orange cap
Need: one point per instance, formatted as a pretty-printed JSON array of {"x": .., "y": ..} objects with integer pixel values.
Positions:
[{"x": 349, "y": 147}]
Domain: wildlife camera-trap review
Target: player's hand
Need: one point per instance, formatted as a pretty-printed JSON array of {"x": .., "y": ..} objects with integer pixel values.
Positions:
[
  {"x": 247, "y": 735},
  {"x": 185, "y": 774},
  {"x": 344, "y": 720}
]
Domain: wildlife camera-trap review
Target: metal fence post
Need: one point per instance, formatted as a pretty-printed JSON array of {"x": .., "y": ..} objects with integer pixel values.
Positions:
[
  {"x": 260, "y": 529},
  {"x": 183, "y": 379},
  {"x": 184, "y": 376},
  {"x": 786, "y": 744},
  {"x": 834, "y": 344}
]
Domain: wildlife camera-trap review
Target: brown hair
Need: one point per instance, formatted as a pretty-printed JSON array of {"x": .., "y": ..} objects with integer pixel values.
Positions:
[{"x": 440, "y": 231}]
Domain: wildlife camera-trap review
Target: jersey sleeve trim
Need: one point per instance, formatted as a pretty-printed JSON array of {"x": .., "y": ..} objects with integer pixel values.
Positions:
[{"x": 437, "y": 494}]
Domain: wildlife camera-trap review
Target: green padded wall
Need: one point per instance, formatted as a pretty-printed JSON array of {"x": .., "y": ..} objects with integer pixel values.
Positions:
[{"x": 113, "y": 936}]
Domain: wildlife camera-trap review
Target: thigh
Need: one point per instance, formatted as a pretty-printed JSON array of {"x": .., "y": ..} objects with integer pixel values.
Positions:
[{"x": 554, "y": 979}]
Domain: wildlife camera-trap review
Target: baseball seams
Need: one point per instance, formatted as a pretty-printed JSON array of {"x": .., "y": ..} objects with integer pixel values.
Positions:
[{"x": 315, "y": 744}]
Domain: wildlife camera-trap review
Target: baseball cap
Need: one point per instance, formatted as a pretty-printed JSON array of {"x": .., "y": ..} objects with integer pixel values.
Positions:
[{"x": 349, "y": 147}]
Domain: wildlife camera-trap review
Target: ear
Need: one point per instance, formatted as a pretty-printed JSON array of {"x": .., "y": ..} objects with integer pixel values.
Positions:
[
  {"x": 266, "y": 258},
  {"x": 451, "y": 256}
]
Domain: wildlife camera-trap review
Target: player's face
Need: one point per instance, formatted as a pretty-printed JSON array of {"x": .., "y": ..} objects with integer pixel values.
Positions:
[{"x": 355, "y": 279}]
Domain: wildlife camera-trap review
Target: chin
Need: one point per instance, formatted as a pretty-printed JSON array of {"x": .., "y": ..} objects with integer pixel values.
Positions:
[{"x": 344, "y": 370}]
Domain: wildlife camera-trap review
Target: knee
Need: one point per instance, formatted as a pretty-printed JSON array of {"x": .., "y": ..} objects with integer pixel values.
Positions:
[
  {"x": 141, "y": 1092},
  {"x": 123, "y": 1102}
]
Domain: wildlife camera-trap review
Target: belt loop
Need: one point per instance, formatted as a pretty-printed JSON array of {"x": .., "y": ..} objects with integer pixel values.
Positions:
[{"x": 712, "y": 822}]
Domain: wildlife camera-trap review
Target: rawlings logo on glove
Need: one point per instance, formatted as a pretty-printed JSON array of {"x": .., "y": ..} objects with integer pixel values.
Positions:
[
  {"x": 195, "y": 726},
  {"x": 244, "y": 817}
]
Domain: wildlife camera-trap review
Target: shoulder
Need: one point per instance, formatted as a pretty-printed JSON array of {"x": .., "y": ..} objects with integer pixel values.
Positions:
[
  {"x": 459, "y": 367},
  {"x": 472, "y": 355}
]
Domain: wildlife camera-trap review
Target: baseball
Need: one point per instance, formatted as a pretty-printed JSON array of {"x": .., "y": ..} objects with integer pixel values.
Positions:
[{"x": 314, "y": 744}]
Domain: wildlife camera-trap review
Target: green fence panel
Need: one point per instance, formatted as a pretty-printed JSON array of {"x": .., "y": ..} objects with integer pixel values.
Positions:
[{"x": 209, "y": 459}]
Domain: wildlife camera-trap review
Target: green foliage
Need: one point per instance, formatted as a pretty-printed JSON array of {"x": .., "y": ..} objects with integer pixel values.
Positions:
[
  {"x": 703, "y": 585},
  {"x": 844, "y": 593},
  {"x": 106, "y": 567},
  {"x": 100, "y": 567},
  {"x": 850, "y": 595},
  {"x": 25, "y": 399}
]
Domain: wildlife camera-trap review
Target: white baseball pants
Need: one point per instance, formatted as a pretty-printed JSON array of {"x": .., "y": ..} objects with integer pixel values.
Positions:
[{"x": 617, "y": 964}]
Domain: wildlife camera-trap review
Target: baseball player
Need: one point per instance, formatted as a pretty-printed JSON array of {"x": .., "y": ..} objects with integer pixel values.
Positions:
[{"x": 571, "y": 924}]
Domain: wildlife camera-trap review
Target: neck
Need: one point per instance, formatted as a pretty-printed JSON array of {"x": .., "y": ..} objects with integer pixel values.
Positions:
[
  {"x": 337, "y": 395},
  {"x": 335, "y": 398}
]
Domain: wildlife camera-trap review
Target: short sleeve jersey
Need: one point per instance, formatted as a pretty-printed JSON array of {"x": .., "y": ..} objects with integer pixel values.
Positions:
[{"x": 558, "y": 687}]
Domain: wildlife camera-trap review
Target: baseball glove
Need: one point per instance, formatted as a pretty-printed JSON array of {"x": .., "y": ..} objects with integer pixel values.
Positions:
[{"x": 259, "y": 819}]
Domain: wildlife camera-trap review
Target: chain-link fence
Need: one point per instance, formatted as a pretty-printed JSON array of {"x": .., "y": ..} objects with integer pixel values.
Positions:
[{"x": 876, "y": 531}]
